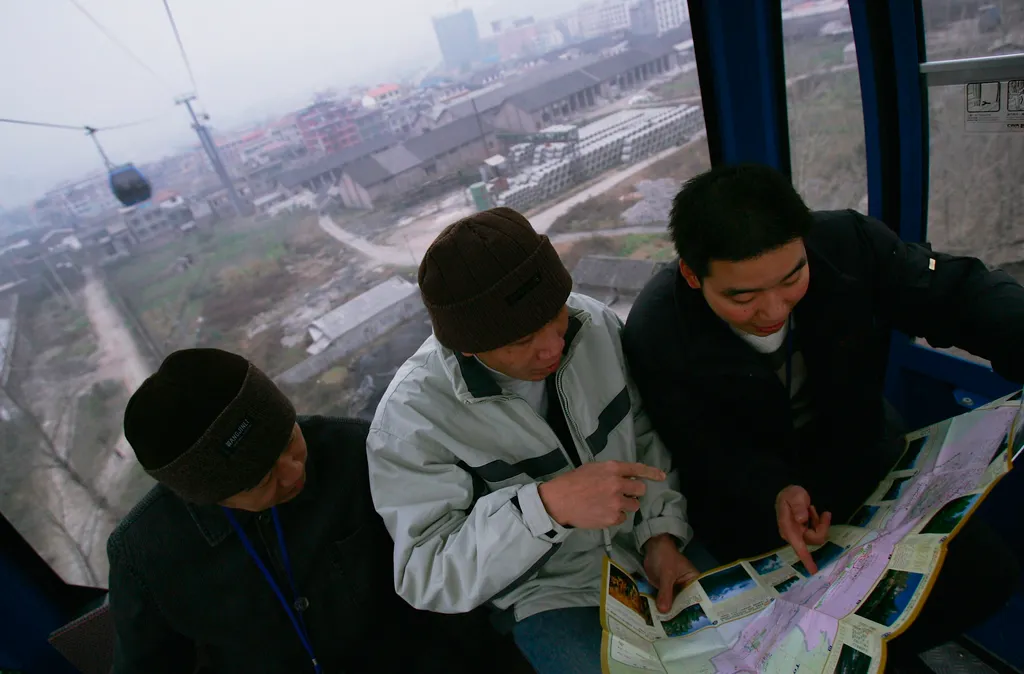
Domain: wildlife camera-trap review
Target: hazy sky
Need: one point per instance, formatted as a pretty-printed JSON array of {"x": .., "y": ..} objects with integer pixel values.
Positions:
[{"x": 251, "y": 58}]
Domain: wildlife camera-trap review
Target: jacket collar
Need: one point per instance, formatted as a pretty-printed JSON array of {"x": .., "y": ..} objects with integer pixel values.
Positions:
[
  {"x": 472, "y": 381},
  {"x": 703, "y": 331},
  {"x": 213, "y": 524}
]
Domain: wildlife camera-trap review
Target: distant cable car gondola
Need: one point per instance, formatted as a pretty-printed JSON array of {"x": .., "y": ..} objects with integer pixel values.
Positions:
[
  {"x": 129, "y": 185},
  {"x": 126, "y": 182}
]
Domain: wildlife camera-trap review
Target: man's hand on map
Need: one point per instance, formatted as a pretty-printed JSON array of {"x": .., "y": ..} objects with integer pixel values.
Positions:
[
  {"x": 597, "y": 495},
  {"x": 799, "y": 523},
  {"x": 667, "y": 568}
]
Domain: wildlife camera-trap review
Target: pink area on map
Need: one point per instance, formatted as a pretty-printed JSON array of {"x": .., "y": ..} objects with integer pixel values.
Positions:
[{"x": 973, "y": 438}]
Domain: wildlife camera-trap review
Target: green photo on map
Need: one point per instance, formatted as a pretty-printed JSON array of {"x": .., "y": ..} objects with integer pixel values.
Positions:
[
  {"x": 823, "y": 557},
  {"x": 890, "y": 598},
  {"x": 950, "y": 515},
  {"x": 852, "y": 661},
  {"x": 727, "y": 583},
  {"x": 784, "y": 586},
  {"x": 912, "y": 453},
  {"x": 688, "y": 621}
]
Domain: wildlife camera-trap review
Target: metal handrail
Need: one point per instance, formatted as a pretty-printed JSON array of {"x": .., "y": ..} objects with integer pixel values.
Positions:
[{"x": 979, "y": 69}]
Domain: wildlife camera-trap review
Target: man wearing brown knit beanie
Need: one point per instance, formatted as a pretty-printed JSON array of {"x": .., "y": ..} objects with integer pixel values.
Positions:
[
  {"x": 259, "y": 549},
  {"x": 511, "y": 453}
]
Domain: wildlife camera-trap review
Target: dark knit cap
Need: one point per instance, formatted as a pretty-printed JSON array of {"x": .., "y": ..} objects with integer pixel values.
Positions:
[
  {"x": 208, "y": 424},
  {"x": 489, "y": 280}
]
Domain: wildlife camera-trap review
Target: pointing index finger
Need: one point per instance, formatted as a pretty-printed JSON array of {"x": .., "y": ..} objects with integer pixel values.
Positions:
[
  {"x": 793, "y": 533},
  {"x": 642, "y": 471}
]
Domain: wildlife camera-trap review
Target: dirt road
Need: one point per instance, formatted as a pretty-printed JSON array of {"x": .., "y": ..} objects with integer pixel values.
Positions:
[
  {"x": 573, "y": 237},
  {"x": 120, "y": 356},
  {"x": 117, "y": 345},
  {"x": 383, "y": 254}
]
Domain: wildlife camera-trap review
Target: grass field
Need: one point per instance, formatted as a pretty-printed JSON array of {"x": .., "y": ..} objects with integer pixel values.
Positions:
[{"x": 239, "y": 269}]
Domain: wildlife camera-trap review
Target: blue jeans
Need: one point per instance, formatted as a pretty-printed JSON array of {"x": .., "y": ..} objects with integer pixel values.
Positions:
[
  {"x": 568, "y": 640},
  {"x": 562, "y": 641}
]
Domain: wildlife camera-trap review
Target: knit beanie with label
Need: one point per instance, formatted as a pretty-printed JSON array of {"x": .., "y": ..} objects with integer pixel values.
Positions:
[
  {"x": 489, "y": 280},
  {"x": 208, "y": 424}
]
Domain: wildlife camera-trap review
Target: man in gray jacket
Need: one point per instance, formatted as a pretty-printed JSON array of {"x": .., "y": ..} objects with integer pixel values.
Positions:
[{"x": 510, "y": 453}]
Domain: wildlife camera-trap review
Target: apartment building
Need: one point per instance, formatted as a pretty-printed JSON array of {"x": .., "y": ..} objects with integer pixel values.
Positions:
[{"x": 327, "y": 126}]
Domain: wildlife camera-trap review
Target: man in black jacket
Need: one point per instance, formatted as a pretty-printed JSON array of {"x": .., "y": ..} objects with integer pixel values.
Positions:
[
  {"x": 260, "y": 550},
  {"x": 761, "y": 359}
]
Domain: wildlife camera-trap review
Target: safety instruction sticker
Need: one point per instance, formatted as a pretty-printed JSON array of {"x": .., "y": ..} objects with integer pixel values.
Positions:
[{"x": 994, "y": 107}]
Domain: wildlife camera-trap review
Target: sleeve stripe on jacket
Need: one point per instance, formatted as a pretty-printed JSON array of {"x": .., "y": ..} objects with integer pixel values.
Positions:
[{"x": 610, "y": 417}]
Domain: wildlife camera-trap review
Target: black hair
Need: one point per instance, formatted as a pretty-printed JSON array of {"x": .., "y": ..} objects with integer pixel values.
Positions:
[{"x": 735, "y": 213}]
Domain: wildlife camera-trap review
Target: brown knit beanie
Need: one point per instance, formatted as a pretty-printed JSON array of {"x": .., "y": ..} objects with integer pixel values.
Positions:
[
  {"x": 489, "y": 280},
  {"x": 208, "y": 424}
]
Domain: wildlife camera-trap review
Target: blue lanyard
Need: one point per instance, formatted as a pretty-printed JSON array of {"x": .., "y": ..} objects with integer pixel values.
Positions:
[{"x": 298, "y": 623}]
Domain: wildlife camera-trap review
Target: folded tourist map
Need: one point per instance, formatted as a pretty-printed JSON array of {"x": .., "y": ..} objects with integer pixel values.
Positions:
[{"x": 874, "y": 573}]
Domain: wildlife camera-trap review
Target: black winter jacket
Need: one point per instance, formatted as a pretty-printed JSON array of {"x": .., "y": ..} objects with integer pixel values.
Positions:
[
  {"x": 183, "y": 590},
  {"x": 726, "y": 416}
]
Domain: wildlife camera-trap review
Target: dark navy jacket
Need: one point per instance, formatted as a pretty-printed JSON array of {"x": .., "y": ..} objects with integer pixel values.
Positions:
[
  {"x": 725, "y": 415},
  {"x": 183, "y": 591}
]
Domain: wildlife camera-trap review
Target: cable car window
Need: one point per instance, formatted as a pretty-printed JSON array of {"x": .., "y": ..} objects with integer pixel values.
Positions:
[
  {"x": 669, "y": 156},
  {"x": 976, "y": 199},
  {"x": 971, "y": 28},
  {"x": 243, "y": 240},
  {"x": 826, "y": 119},
  {"x": 975, "y": 195}
]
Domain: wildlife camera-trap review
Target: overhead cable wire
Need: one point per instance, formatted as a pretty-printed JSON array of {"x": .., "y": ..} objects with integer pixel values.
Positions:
[
  {"x": 181, "y": 47},
  {"x": 110, "y": 36},
  {"x": 26, "y": 122},
  {"x": 81, "y": 127}
]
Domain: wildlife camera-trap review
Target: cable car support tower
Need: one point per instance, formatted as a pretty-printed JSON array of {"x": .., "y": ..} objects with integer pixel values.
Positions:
[{"x": 211, "y": 151}]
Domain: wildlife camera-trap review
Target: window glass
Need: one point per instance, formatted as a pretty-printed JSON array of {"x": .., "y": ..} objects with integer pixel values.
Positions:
[
  {"x": 957, "y": 29},
  {"x": 334, "y": 209},
  {"x": 975, "y": 195},
  {"x": 826, "y": 118}
]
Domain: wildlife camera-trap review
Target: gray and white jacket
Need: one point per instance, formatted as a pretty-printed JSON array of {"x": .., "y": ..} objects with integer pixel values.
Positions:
[{"x": 455, "y": 462}]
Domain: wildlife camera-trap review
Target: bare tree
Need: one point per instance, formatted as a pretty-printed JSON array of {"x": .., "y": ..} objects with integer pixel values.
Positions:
[
  {"x": 53, "y": 458},
  {"x": 80, "y": 545}
]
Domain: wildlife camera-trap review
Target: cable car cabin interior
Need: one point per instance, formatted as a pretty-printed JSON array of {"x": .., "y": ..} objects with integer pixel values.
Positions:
[{"x": 738, "y": 47}]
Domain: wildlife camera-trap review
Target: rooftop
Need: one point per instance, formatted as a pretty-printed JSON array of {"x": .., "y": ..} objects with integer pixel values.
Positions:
[
  {"x": 614, "y": 275},
  {"x": 553, "y": 91},
  {"x": 382, "y": 90},
  {"x": 338, "y": 160},
  {"x": 357, "y": 311},
  {"x": 436, "y": 142}
]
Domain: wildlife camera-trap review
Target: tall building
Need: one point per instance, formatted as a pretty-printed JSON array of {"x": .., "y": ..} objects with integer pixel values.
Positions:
[
  {"x": 643, "y": 18},
  {"x": 671, "y": 14},
  {"x": 654, "y": 17},
  {"x": 459, "y": 38},
  {"x": 603, "y": 17}
]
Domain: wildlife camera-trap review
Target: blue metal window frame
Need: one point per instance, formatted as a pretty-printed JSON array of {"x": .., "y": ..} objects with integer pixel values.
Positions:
[
  {"x": 738, "y": 49},
  {"x": 889, "y": 36},
  {"x": 37, "y": 602},
  {"x": 922, "y": 383}
]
